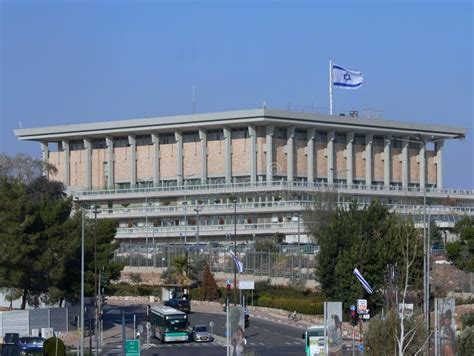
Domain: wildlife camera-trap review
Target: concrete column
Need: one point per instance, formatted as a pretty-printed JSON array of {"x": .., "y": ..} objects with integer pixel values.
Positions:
[
  {"x": 203, "y": 138},
  {"x": 422, "y": 163},
  {"x": 439, "y": 164},
  {"x": 109, "y": 142},
  {"x": 155, "y": 156},
  {"x": 133, "y": 160},
  {"x": 368, "y": 158},
  {"x": 269, "y": 152},
  {"x": 228, "y": 153},
  {"x": 44, "y": 155},
  {"x": 350, "y": 159},
  {"x": 330, "y": 156},
  {"x": 387, "y": 161},
  {"x": 404, "y": 161},
  {"x": 88, "y": 164},
  {"x": 310, "y": 154},
  {"x": 253, "y": 153},
  {"x": 290, "y": 154},
  {"x": 179, "y": 157},
  {"x": 66, "y": 162}
]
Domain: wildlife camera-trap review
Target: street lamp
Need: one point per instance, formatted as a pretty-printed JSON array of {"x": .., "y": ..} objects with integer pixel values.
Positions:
[
  {"x": 234, "y": 201},
  {"x": 83, "y": 218},
  {"x": 96, "y": 302}
]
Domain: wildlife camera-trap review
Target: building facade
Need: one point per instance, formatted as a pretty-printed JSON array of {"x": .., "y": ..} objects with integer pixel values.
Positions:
[{"x": 251, "y": 172}]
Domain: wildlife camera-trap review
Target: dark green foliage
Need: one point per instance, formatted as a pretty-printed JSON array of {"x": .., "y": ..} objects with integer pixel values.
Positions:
[
  {"x": 467, "y": 319},
  {"x": 465, "y": 342},
  {"x": 436, "y": 238},
  {"x": 461, "y": 251},
  {"x": 209, "y": 290},
  {"x": 369, "y": 239},
  {"x": 40, "y": 242},
  {"x": 126, "y": 289}
]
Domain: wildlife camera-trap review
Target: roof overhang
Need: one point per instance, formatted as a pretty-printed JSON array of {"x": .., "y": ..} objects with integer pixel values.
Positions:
[{"x": 238, "y": 119}]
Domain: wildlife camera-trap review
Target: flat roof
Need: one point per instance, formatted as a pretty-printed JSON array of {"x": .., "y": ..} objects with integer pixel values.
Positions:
[
  {"x": 236, "y": 119},
  {"x": 166, "y": 310}
]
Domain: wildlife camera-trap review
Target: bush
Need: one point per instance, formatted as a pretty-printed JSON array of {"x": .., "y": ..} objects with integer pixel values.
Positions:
[
  {"x": 125, "y": 289},
  {"x": 303, "y": 306},
  {"x": 467, "y": 319},
  {"x": 465, "y": 342}
]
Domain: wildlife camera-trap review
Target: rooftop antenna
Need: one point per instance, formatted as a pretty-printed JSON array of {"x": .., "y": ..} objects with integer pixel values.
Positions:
[
  {"x": 20, "y": 124},
  {"x": 194, "y": 97}
]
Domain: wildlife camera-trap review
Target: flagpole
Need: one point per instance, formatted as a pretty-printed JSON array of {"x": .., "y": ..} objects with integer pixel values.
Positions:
[{"x": 330, "y": 87}]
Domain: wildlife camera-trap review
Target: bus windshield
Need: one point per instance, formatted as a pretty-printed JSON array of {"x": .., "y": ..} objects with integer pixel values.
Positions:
[
  {"x": 315, "y": 333},
  {"x": 176, "y": 324}
]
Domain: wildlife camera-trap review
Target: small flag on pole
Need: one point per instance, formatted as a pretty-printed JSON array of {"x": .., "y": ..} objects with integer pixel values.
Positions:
[
  {"x": 362, "y": 280},
  {"x": 346, "y": 78},
  {"x": 238, "y": 263}
]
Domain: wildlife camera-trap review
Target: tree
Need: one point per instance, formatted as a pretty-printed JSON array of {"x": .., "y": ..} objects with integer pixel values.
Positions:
[
  {"x": 436, "y": 238},
  {"x": 209, "y": 290},
  {"x": 461, "y": 251},
  {"x": 363, "y": 238},
  {"x": 177, "y": 272},
  {"x": 135, "y": 279},
  {"x": 40, "y": 242}
]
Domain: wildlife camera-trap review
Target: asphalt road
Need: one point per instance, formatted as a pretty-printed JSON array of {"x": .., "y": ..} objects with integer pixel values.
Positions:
[{"x": 263, "y": 337}]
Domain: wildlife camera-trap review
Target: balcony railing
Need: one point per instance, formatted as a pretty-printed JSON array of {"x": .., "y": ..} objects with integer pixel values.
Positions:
[
  {"x": 249, "y": 207},
  {"x": 276, "y": 185}
]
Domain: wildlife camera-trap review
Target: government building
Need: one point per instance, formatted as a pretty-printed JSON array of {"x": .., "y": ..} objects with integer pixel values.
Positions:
[{"x": 186, "y": 178}]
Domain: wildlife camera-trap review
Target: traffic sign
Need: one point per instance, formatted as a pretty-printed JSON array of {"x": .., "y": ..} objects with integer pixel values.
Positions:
[
  {"x": 353, "y": 307},
  {"x": 247, "y": 285},
  {"x": 362, "y": 306},
  {"x": 132, "y": 347}
]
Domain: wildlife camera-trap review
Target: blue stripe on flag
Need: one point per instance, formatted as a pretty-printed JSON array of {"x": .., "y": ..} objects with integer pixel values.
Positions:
[
  {"x": 364, "y": 283},
  {"x": 335, "y": 66},
  {"x": 339, "y": 84}
]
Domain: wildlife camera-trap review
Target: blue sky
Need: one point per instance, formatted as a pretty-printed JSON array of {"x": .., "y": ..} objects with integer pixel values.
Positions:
[{"x": 82, "y": 61}]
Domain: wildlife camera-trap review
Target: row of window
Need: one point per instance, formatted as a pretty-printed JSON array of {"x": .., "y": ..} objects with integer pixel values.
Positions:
[{"x": 218, "y": 135}]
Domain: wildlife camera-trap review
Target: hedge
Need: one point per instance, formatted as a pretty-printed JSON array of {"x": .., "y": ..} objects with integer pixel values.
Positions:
[{"x": 303, "y": 306}]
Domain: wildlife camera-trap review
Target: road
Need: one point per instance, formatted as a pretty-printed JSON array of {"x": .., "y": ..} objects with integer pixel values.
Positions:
[{"x": 263, "y": 337}]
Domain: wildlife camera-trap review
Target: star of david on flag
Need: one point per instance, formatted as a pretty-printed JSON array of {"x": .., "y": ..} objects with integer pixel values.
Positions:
[
  {"x": 346, "y": 78},
  {"x": 238, "y": 263}
]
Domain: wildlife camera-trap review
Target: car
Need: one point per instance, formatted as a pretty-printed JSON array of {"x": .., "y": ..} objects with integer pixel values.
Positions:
[
  {"x": 31, "y": 345},
  {"x": 179, "y": 304},
  {"x": 201, "y": 333}
]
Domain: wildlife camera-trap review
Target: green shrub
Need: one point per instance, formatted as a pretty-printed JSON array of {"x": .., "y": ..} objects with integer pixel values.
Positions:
[
  {"x": 467, "y": 319},
  {"x": 465, "y": 342},
  {"x": 125, "y": 289},
  {"x": 303, "y": 306}
]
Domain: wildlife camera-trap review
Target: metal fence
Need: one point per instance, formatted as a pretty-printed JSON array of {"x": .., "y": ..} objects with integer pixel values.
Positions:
[
  {"x": 257, "y": 263},
  {"x": 25, "y": 321}
]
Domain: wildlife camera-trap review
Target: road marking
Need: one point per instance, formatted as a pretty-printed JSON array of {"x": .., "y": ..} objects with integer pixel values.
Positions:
[
  {"x": 266, "y": 330},
  {"x": 288, "y": 343},
  {"x": 261, "y": 343}
]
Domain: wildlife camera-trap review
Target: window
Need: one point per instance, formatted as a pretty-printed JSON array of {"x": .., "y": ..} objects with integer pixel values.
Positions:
[
  {"x": 191, "y": 136},
  {"x": 215, "y": 135},
  {"x": 396, "y": 142},
  {"x": 240, "y": 133},
  {"x": 377, "y": 141},
  {"x": 144, "y": 140},
  {"x": 340, "y": 138},
  {"x": 167, "y": 138},
  {"x": 76, "y": 145},
  {"x": 321, "y": 136},
  {"x": 301, "y": 134},
  {"x": 281, "y": 133},
  {"x": 359, "y": 140},
  {"x": 98, "y": 143},
  {"x": 121, "y": 142}
]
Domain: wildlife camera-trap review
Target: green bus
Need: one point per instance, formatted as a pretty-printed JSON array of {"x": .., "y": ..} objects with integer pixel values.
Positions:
[{"x": 169, "y": 324}]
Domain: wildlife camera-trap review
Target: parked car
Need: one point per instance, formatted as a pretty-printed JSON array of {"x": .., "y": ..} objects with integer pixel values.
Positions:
[
  {"x": 31, "y": 345},
  {"x": 201, "y": 333},
  {"x": 180, "y": 304}
]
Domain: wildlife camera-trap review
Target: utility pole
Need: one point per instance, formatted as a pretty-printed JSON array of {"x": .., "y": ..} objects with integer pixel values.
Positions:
[
  {"x": 83, "y": 215},
  {"x": 235, "y": 247},
  {"x": 96, "y": 211}
]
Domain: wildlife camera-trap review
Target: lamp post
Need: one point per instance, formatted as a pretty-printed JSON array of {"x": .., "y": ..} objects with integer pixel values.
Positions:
[
  {"x": 197, "y": 209},
  {"x": 83, "y": 217},
  {"x": 96, "y": 302}
]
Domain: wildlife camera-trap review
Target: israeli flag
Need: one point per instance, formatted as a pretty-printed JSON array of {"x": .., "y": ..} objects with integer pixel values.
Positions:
[
  {"x": 362, "y": 280},
  {"x": 346, "y": 78},
  {"x": 238, "y": 263}
]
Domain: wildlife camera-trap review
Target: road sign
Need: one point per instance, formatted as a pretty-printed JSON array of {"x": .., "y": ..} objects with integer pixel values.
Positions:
[
  {"x": 247, "y": 285},
  {"x": 362, "y": 306},
  {"x": 228, "y": 281},
  {"x": 132, "y": 348},
  {"x": 353, "y": 307}
]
